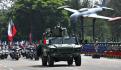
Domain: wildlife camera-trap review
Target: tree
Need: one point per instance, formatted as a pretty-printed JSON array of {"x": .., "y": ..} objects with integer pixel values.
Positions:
[
  {"x": 37, "y": 15},
  {"x": 4, "y": 6},
  {"x": 102, "y": 28},
  {"x": 115, "y": 26}
]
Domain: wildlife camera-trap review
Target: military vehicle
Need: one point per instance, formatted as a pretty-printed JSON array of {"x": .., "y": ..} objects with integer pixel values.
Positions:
[{"x": 60, "y": 47}]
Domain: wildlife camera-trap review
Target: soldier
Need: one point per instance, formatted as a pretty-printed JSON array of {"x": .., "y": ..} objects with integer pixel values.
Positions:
[{"x": 96, "y": 45}]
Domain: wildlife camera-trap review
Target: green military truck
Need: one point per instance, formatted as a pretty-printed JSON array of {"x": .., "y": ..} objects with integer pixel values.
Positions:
[{"x": 61, "y": 48}]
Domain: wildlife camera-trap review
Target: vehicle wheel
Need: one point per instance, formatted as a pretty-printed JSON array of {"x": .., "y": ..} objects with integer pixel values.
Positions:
[
  {"x": 31, "y": 57},
  {"x": 78, "y": 60},
  {"x": 44, "y": 61},
  {"x": 50, "y": 61},
  {"x": 2, "y": 57},
  {"x": 17, "y": 58},
  {"x": 23, "y": 54},
  {"x": 36, "y": 58},
  {"x": 27, "y": 56},
  {"x": 11, "y": 55},
  {"x": 6, "y": 56},
  {"x": 70, "y": 61}
]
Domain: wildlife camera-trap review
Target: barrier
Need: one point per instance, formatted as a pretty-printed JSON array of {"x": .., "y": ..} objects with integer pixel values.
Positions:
[
  {"x": 88, "y": 49},
  {"x": 110, "y": 49}
]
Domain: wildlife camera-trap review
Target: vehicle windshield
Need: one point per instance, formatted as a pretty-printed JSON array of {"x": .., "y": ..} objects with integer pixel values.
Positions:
[
  {"x": 62, "y": 40},
  {"x": 55, "y": 40},
  {"x": 70, "y": 40}
]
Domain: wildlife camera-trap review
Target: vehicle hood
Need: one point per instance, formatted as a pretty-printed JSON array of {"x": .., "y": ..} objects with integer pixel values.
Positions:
[{"x": 64, "y": 46}]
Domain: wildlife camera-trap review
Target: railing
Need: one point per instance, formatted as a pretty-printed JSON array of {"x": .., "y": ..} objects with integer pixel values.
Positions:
[{"x": 106, "y": 49}]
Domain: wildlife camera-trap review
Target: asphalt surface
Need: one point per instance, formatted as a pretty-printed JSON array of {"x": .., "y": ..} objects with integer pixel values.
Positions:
[{"x": 87, "y": 64}]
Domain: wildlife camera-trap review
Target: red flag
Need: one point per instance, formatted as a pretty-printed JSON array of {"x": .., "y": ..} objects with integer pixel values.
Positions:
[
  {"x": 11, "y": 30},
  {"x": 44, "y": 41}
]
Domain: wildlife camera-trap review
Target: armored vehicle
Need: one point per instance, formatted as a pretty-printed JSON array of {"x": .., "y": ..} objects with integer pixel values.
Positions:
[{"x": 61, "y": 47}]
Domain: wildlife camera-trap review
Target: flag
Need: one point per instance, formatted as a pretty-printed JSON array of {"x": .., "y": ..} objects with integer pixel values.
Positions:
[
  {"x": 11, "y": 30},
  {"x": 44, "y": 41}
]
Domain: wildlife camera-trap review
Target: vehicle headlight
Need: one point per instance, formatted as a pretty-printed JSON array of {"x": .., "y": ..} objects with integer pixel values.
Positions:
[
  {"x": 51, "y": 46},
  {"x": 32, "y": 51},
  {"x": 78, "y": 46}
]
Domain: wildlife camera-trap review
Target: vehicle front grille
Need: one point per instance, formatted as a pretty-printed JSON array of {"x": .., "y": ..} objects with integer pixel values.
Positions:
[{"x": 64, "y": 50}]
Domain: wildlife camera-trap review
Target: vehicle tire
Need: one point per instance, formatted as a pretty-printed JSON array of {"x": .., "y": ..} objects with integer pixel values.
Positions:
[
  {"x": 17, "y": 58},
  {"x": 50, "y": 61},
  {"x": 23, "y": 54},
  {"x": 27, "y": 56},
  {"x": 78, "y": 60},
  {"x": 31, "y": 57},
  {"x": 2, "y": 57},
  {"x": 44, "y": 61},
  {"x": 36, "y": 58},
  {"x": 12, "y": 56},
  {"x": 70, "y": 61},
  {"x": 6, "y": 56}
]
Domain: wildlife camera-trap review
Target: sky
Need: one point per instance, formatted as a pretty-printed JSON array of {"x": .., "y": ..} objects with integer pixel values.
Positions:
[
  {"x": 8, "y": 3},
  {"x": 4, "y": 3},
  {"x": 94, "y": 0}
]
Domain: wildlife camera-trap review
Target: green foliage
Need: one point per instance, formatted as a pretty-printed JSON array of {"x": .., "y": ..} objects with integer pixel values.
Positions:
[
  {"x": 102, "y": 29},
  {"x": 37, "y": 15},
  {"x": 115, "y": 26},
  {"x": 88, "y": 38},
  {"x": 3, "y": 24}
]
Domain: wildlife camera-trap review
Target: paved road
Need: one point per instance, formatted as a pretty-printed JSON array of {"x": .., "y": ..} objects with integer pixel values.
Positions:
[{"x": 87, "y": 64}]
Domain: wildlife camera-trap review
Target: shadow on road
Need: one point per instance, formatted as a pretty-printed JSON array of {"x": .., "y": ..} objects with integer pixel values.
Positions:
[{"x": 58, "y": 65}]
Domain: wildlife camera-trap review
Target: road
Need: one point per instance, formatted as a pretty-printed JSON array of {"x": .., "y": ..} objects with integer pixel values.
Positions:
[{"x": 87, "y": 64}]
